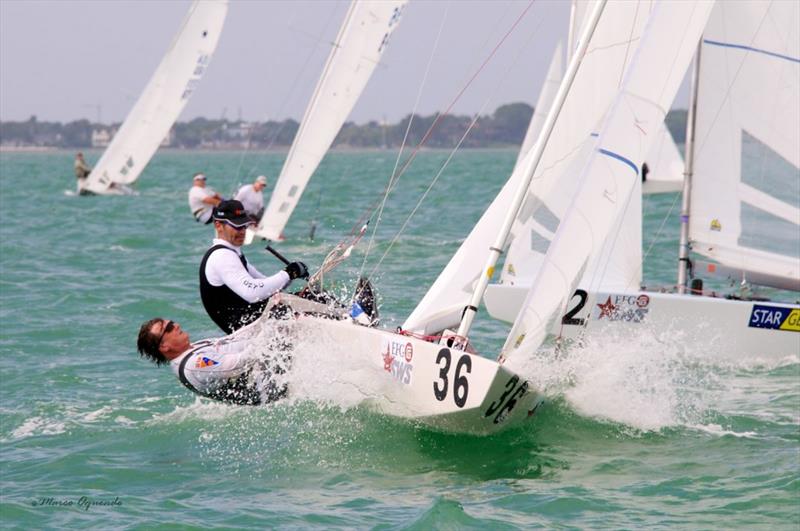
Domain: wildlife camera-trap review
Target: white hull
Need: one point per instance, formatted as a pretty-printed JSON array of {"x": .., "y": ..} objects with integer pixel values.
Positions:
[
  {"x": 729, "y": 328},
  {"x": 443, "y": 388},
  {"x": 114, "y": 189}
]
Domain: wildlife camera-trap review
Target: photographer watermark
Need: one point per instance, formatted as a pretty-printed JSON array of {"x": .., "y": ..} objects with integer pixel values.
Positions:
[{"x": 84, "y": 503}]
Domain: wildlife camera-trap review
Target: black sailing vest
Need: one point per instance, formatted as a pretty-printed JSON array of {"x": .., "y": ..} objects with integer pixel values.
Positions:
[{"x": 228, "y": 310}]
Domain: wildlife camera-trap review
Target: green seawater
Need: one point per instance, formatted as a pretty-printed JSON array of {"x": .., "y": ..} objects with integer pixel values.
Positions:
[{"x": 93, "y": 437}]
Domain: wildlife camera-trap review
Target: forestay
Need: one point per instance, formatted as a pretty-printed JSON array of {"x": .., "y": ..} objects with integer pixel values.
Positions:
[
  {"x": 607, "y": 182},
  {"x": 745, "y": 211},
  {"x": 162, "y": 100},
  {"x": 609, "y": 52},
  {"x": 362, "y": 40}
]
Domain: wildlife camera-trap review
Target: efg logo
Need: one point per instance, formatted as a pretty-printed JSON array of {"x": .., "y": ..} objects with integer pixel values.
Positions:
[{"x": 775, "y": 318}]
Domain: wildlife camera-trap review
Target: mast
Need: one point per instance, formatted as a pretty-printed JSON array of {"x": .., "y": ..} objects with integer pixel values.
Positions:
[
  {"x": 683, "y": 249},
  {"x": 530, "y": 168}
]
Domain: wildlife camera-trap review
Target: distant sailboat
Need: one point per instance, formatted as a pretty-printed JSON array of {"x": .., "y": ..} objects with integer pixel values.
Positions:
[
  {"x": 356, "y": 52},
  {"x": 161, "y": 102}
]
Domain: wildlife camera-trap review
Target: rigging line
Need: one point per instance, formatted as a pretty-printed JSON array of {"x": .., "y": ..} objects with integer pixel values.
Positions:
[
  {"x": 425, "y": 194},
  {"x": 659, "y": 231},
  {"x": 394, "y": 175},
  {"x": 469, "y": 82},
  {"x": 470, "y": 127},
  {"x": 440, "y": 116},
  {"x": 288, "y": 96}
]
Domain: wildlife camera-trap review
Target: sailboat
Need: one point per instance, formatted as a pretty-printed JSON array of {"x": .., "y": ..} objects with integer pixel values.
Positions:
[
  {"x": 740, "y": 204},
  {"x": 161, "y": 102},
  {"x": 427, "y": 371},
  {"x": 355, "y": 54}
]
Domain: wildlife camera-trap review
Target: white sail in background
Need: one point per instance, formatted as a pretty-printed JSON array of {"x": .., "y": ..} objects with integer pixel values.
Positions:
[
  {"x": 745, "y": 211},
  {"x": 665, "y": 165},
  {"x": 546, "y": 96},
  {"x": 610, "y": 52},
  {"x": 612, "y": 174},
  {"x": 357, "y": 51},
  {"x": 162, "y": 100}
]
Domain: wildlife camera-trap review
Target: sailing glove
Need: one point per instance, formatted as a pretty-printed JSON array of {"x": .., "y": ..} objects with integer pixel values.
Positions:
[{"x": 297, "y": 270}]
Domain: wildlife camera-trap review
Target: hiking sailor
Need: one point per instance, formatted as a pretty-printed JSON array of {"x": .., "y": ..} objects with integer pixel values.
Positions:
[
  {"x": 202, "y": 199},
  {"x": 220, "y": 369},
  {"x": 234, "y": 293},
  {"x": 252, "y": 197},
  {"x": 82, "y": 170}
]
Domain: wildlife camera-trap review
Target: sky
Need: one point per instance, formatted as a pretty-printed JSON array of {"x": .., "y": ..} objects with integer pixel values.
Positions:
[{"x": 67, "y": 60}]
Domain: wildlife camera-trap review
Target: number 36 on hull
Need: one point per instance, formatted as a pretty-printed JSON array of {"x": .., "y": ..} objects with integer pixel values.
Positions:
[{"x": 443, "y": 388}]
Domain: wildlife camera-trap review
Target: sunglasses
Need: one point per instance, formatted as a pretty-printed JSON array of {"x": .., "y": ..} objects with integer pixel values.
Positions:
[
  {"x": 238, "y": 229},
  {"x": 169, "y": 327}
]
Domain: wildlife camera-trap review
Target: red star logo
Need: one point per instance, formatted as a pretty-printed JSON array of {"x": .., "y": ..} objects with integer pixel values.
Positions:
[{"x": 606, "y": 309}]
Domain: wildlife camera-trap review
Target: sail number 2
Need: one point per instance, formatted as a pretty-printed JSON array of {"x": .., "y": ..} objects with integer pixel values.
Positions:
[{"x": 460, "y": 382}]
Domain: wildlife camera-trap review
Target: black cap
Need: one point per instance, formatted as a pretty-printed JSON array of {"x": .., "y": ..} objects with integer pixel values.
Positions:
[{"x": 232, "y": 212}]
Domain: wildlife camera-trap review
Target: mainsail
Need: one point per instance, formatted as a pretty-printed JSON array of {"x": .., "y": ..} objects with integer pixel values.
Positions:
[
  {"x": 745, "y": 210},
  {"x": 613, "y": 171},
  {"x": 362, "y": 40},
  {"x": 162, "y": 100}
]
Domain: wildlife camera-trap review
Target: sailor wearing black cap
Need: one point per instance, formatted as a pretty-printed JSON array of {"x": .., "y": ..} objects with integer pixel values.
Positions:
[{"x": 234, "y": 293}]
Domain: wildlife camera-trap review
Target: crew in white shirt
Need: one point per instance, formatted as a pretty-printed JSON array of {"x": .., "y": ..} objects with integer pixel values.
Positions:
[
  {"x": 252, "y": 197},
  {"x": 202, "y": 199},
  {"x": 221, "y": 369},
  {"x": 234, "y": 293}
]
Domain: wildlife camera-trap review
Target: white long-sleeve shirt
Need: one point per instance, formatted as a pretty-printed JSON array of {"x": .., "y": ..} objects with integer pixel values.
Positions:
[{"x": 249, "y": 283}]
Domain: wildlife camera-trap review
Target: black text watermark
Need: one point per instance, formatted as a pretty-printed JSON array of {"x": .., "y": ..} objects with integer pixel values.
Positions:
[{"x": 84, "y": 503}]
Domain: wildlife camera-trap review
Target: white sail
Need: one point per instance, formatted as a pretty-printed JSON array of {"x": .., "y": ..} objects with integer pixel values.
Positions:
[
  {"x": 664, "y": 163},
  {"x": 745, "y": 210},
  {"x": 549, "y": 88},
  {"x": 162, "y": 100},
  {"x": 357, "y": 51},
  {"x": 593, "y": 90},
  {"x": 612, "y": 174}
]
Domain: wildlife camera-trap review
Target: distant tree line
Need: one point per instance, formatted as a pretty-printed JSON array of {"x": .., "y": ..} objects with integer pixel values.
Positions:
[{"x": 505, "y": 127}]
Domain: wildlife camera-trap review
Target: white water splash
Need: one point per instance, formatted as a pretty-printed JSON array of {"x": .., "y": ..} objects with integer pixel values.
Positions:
[
  {"x": 38, "y": 426},
  {"x": 643, "y": 378},
  {"x": 320, "y": 370}
]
